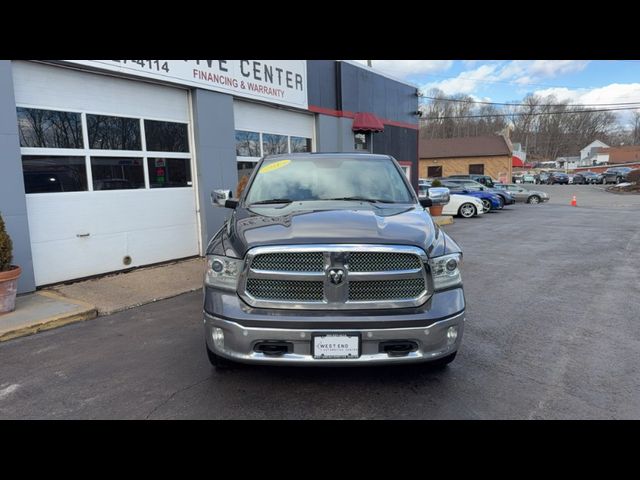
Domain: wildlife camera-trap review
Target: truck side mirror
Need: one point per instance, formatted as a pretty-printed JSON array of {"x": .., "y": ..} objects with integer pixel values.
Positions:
[
  {"x": 222, "y": 198},
  {"x": 426, "y": 202}
]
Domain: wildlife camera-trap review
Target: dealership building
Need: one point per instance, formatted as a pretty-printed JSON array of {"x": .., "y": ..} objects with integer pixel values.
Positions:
[{"x": 107, "y": 165}]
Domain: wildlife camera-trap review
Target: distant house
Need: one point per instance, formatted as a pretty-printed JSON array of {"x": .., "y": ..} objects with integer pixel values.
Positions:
[
  {"x": 567, "y": 162},
  {"x": 485, "y": 155},
  {"x": 617, "y": 155},
  {"x": 592, "y": 154}
]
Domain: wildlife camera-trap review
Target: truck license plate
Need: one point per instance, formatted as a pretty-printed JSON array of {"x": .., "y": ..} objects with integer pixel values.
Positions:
[{"x": 335, "y": 345}]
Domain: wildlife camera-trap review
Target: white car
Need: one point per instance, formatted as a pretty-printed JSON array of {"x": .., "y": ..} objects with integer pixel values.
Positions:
[{"x": 464, "y": 205}]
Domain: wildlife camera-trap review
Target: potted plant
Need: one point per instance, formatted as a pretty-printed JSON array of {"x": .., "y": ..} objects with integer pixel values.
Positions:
[
  {"x": 436, "y": 210},
  {"x": 9, "y": 274}
]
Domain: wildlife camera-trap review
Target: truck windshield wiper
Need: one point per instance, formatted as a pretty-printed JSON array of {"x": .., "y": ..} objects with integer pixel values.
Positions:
[
  {"x": 272, "y": 200},
  {"x": 361, "y": 199}
]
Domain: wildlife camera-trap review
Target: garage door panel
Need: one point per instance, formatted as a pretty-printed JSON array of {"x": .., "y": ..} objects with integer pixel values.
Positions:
[
  {"x": 56, "y": 217},
  {"x": 164, "y": 244},
  {"x": 254, "y": 117},
  {"x": 84, "y": 233},
  {"x": 55, "y": 87},
  {"x": 60, "y": 260}
]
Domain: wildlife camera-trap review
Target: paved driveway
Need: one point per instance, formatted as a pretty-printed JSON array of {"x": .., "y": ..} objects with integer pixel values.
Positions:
[{"x": 553, "y": 332}]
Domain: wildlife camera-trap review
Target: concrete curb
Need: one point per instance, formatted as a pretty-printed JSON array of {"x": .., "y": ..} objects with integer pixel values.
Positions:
[
  {"x": 122, "y": 308},
  {"x": 86, "y": 312},
  {"x": 443, "y": 220}
]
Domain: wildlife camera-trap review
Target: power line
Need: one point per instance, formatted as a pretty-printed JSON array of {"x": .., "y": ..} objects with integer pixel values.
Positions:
[
  {"x": 536, "y": 105},
  {"x": 566, "y": 112}
]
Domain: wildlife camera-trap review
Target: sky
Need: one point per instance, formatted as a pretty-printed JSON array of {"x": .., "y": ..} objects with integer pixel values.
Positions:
[{"x": 581, "y": 81}]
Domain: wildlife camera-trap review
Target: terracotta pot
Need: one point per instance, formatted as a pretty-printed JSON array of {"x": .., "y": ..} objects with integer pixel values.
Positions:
[
  {"x": 8, "y": 289},
  {"x": 436, "y": 210}
]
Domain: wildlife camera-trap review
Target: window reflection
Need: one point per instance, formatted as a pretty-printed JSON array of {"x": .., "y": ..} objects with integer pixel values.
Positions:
[
  {"x": 247, "y": 144},
  {"x": 169, "y": 172},
  {"x": 49, "y": 128},
  {"x": 113, "y": 133},
  {"x": 117, "y": 173},
  {"x": 166, "y": 136},
  {"x": 300, "y": 144},
  {"x": 274, "y": 144},
  {"x": 48, "y": 174}
]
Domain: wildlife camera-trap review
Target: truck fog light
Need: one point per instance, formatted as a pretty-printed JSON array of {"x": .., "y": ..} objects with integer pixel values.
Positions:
[
  {"x": 451, "y": 265},
  {"x": 218, "y": 337},
  {"x": 452, "y": 334},
  {"x": 217, "y": 266}
]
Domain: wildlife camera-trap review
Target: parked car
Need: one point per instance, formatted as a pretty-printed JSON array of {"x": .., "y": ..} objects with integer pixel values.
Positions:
[
  {"x": 616, "y": 174},
  {"x": 542, "y": 177},
  {"x": 465, "y": 206},
  {"x": 527, "y": 178},
  {"x": 506, "y": 198},
  {"x": 485, "y": 180},
  {"x": 490, "y": 201},
  {"x": 277, "y": 289},
  {"x": 522, "y": 194},
  {"x": 557, "y": 177},
  {"x": 570, "y": 177},
  {"x": 582, "y": 178}
]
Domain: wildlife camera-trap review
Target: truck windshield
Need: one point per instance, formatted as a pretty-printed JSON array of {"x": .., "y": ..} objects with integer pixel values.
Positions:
[{"x": 299, "y": 179}]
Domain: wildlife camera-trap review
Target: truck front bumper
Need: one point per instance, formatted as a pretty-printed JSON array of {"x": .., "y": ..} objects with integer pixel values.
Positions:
[{"x": 236, "y": 342}]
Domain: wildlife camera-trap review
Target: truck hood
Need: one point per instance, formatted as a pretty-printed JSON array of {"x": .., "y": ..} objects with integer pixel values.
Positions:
[{"x": 348, "y": 223}]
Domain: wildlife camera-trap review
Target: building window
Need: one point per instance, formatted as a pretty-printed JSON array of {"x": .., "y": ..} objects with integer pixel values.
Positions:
[
  {"x": 117, "y": 173},
  {"x": 300, "y": 144},
  {"x": 477, "y": 169},
  {"x": 169, "y": 172},
  {"x": 113, "y": 133},
  {"x": 49, "y": 128},
  {"x": 49, "y": 174},
  {"x": 274, "y": 144},
  {"x": 166, "y": 136},
  {"x": 434, "y": 172},
  {"x": 247, "y": 144},
  {"x": 361, "y": 141}
]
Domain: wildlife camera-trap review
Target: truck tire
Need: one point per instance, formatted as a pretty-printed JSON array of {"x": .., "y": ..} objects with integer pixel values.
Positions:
[{"x": 218, "y": 361}]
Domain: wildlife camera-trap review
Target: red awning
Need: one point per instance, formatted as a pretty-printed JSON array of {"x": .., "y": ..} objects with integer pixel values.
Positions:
[
  {"x": 367, "y": 122},
  {"x": 516, "y": 162}
]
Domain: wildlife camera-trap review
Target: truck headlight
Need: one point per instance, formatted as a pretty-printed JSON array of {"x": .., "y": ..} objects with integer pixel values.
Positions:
[
  {"x": 446, "y": 271},
  {"x": 222, "y": 272}
]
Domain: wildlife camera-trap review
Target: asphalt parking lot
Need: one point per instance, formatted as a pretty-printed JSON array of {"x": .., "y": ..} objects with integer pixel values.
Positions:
[{"x": 552, "y": 332}]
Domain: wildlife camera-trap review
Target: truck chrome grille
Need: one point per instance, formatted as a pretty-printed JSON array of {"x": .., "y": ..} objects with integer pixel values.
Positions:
[
  {"x": 382, "y": 262},
  {"x": 285, "y": 290},
  {"x": 334, "y": 277},
  {"x": 385, "y": 289},
  {"x": 289, "y": 262}
]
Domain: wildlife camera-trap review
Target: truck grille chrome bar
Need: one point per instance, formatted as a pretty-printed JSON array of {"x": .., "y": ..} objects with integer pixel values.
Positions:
[{"x": 335, "y": 277}]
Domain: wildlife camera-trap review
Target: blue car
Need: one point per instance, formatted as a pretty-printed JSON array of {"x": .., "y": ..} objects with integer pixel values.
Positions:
[
  {"x": 507, "y": 199},
  {"x": 490, "y": 201}
]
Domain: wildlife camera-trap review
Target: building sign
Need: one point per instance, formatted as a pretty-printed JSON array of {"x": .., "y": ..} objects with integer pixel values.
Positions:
[{"x": 274, "y": 81}]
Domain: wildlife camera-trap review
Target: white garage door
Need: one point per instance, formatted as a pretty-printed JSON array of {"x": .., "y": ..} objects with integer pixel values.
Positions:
[
  {"x": 263, "y": 130},
  {"x": 108, "y": 172}
]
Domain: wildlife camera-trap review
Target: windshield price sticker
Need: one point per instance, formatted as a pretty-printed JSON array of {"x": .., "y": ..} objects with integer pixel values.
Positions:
[{"x": 275, "y": 166}]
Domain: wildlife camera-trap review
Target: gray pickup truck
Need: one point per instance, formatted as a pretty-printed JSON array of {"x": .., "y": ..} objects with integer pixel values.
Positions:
[{"x": 331, "y": 259}]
